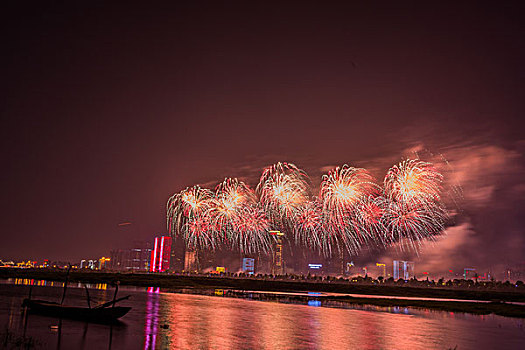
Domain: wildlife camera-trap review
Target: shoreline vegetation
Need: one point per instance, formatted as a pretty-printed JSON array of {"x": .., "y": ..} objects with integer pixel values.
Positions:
[{"x": 240, "y": 287}]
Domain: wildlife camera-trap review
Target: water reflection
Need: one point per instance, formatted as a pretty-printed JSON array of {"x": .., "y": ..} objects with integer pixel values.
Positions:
[
  {"x": 181, "y": 321},
  {"x": 222, "y": 323},
  {"x": 33, "y": 282},
  {"x": 152, "y": 313},
  {"x": 315, "y": 303}
]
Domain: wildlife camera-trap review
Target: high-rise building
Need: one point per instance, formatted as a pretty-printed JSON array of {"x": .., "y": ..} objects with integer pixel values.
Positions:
[
  {"x": 383, "y": 269},
  {"x": 116, "y": 259},
  {"x": 160, "y": 255},
  {"x": 248, "y": 266},
  {"x": 135, "y": 259},
  {"x": 278, "y": 263},
  {"x": 177, "y": 254},
  {"x": 139, "y": 256},
  {"x": 103, "y": 263},
  {"x": 190, "y": 261},
  {"x": 403, "y": 269}
]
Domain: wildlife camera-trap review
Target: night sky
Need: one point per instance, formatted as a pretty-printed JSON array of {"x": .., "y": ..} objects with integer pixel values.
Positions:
[{"x": 107, "y": 111}]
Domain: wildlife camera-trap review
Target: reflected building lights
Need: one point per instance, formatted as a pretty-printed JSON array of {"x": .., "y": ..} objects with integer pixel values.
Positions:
[{"x": 152, "y": 314}]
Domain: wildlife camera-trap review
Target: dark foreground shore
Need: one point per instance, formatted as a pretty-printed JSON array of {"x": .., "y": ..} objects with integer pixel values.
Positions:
[{"x": 499, "y": 300}]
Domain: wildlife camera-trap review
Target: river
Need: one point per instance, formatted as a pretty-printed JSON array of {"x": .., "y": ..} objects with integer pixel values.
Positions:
[{"x": 160, "y": 320}]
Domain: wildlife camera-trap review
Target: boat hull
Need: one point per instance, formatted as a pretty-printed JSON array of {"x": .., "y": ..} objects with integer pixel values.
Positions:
[{"x": 102, "y": 315}]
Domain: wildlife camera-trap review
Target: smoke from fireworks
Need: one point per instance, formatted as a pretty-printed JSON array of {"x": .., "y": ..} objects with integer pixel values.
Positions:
[{"x": 350, "y": 213}]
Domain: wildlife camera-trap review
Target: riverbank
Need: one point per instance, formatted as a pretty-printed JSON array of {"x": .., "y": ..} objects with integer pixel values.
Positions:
[
  {"x": 175, "y": 281},
  {"x": 342, "y": 301}
]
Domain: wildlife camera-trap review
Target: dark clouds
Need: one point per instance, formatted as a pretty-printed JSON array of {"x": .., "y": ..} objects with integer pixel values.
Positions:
[{"x": 110, "y": 109}]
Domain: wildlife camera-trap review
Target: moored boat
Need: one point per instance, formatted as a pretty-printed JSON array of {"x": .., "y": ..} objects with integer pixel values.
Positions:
[{"x": 96, "y": 314}]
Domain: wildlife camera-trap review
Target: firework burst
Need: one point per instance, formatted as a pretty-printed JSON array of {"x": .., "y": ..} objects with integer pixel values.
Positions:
[
  {"x": 283, "y": 191},
  {"x": 189, "y": 203},
  {"x": 198, "y": 234},
  {"x": 413, "y": 182},
  {"x": 351, "y": 212},
  {"x": 344, "y": 186},
  {"x": 369, "y": 221},
  {"x": 342, "y": 189},
  {"x": 231, "y": 197},
  {"x": 308, "y": 228},
  {"x": 250, "y": 231},
  {"x": 409, "y": 225}
]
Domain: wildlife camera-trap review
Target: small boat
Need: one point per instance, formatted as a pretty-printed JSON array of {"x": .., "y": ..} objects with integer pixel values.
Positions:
[{"x": 102, "y": 314}]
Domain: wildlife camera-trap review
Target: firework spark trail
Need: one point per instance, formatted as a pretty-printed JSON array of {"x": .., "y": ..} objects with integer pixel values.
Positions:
[
  {"x": 308, "y": 228},
  {"x": 187, "y": 216},
  {"x": 409, "y": 224},
  {"x": 198, "y": 234},
  {"x": 231, "y": 197},
  {"x": 344, "y": 186},
  {"x": 283, "y": 191},
  {"x": 250, "y": 231},
  {"x": 341, "y": 191},
  {"x": 351, "y": 212},
  {"x": 415, "y": 211},
  {"x": 413, "y": 182},
  {"x": 369, "y": 220}
]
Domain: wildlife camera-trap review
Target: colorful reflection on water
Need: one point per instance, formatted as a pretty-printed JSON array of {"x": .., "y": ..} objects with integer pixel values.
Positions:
[
  {"x": 205, "y": 322},
  {"x": 151, "y": 322},
  {"x": 183, "y": 321},
  {"x": 44, "y": 283}
]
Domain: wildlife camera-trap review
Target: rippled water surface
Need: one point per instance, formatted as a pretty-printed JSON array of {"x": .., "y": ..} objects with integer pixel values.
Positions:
[{"x": 186, "y": 321}]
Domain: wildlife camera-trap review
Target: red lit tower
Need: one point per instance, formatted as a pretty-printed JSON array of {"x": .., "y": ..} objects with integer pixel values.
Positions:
[{"x": 160, "y": 255}]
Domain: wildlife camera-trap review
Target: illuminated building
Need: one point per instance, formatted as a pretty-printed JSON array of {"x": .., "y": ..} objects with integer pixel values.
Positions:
[
  {"x": 395, "y": 264},
  {"x": 116, "y": 261},
  {"x": 248, "y": 266},
  {"x": 384, "y": 268},
  {"x": 315, "y": 268},
  {"x": 26, "y": 264},
  {"x": 86, "y": 264},
  {"x": 160, "y": 255},
  {"x": 139, "y": 257},
  {"x": 135, "y": 259},
  {"x": 469, "y": 272},
  {"x": 103, "y": 263},
  {"x": 403, "y": 269},
  {"x": 7, "y": 263},
  {"x": 190, "y": 261},
  {"x": 278, "y": 263}
]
